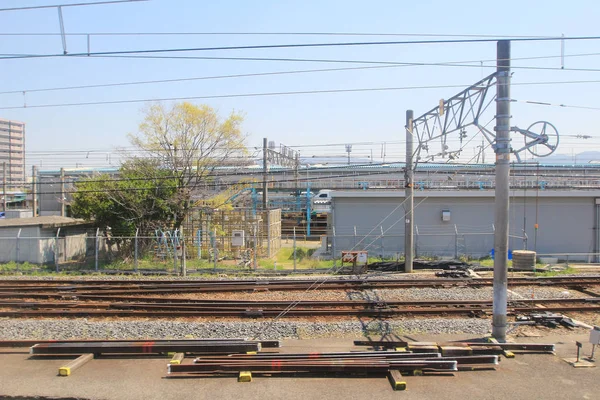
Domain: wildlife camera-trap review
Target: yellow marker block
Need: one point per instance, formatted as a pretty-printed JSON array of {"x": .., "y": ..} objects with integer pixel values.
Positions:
[
  {"x": 251, "y": 352},
  {"x": 76, "y": 363},
  {"x": 401, "y": 349},
  {"x": 396, "y": 380},
  {"x": 177, "y": 358},
  {"x": 245, "y": 376},
  {"x": 508, "y": 354},
  {"x": 189, "y": 336},
  {"x": 417, "y": 372},
  {"x": 171, "y": 354}
]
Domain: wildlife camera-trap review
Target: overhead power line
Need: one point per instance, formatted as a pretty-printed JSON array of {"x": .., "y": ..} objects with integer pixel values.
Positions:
[
  {"x": 69, "y": 5},
  {"x": 304, "y": 45},
  {"x": 313, "y": 60},
  {"x": 261, "y": 34},
  {"x": 388, "y": 65},
  {"x": 264, "y": 94}
]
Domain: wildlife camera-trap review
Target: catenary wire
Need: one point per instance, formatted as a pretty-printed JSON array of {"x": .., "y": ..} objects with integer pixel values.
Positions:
[
  {"x": 291, "y": 93},
  {"x": 387, "y": 65},
  {"x": 306, "y": 45}
]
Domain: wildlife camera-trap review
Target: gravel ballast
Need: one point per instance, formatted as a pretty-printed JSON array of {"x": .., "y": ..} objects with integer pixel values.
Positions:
[{"x": 12, "y": 329}]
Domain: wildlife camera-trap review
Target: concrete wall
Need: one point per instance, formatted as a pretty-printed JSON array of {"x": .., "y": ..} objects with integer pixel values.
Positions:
[{"x": 566, "y": 223}]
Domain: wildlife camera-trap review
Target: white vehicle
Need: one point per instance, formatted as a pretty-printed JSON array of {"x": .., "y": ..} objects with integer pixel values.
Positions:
[
  {"x": 321, "y": 202},
  {"x": 324, "y": 195}
]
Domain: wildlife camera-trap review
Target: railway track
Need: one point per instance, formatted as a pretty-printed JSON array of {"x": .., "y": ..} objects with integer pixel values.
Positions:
[
  {"x": 109, "y": 298},
  {"x": 259, "y": 309},
  {"x": 60, "y": 288}
]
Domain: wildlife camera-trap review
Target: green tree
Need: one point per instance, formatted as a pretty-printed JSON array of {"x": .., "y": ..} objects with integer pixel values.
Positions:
[
  {"x": 140, "y": 197},
  {"x": 189, "y": 141}
]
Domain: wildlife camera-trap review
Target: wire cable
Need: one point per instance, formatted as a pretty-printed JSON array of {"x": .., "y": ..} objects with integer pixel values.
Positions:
[
  {"x": 306, "y": 45},
  {"x": 265, "y": 94},
  {"x": 387, "y": 64}
]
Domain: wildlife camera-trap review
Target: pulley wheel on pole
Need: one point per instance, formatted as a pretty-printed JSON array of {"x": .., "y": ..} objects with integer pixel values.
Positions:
[{"x": 546, "y": 142}]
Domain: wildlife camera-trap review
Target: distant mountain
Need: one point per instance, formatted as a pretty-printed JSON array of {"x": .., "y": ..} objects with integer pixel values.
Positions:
[{"x": 580, "y": 158}]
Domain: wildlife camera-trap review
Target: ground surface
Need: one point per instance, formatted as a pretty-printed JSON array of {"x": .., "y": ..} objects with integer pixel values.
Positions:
[{"x": 528, "y": 376}]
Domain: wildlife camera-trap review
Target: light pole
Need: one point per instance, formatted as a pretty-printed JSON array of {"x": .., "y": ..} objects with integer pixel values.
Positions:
[{"x": 348, "y": 150}]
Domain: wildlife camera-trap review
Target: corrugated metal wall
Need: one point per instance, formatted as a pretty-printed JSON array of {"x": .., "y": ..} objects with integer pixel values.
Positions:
[{"x": 566, "y": 225}]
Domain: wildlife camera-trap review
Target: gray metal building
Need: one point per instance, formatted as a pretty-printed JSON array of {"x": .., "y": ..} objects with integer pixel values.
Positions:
[
  {"x": 455, "y": 223},
  {"x": 42, "y": 240}
]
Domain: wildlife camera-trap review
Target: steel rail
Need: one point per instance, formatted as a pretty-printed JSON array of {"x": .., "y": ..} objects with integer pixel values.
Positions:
[
  {"x": 181, "y": 283},
  {"x": 258, "y": 313},
  {"x": 49, "y": 290},
  {"x": 212, "y": 304}
]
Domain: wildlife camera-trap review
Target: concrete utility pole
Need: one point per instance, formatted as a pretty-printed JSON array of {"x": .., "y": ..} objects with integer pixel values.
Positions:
[
  {"x": 502, "y": 150},
  {"x": 408, "y": 190},
  {"x": 265, "y": 171},
  {"x": 4, "y": 186},
  {"x": 34, "y": 189}
]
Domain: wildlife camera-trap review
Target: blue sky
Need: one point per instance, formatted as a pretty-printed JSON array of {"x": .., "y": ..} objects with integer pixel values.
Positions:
[{"x": 300, "y": 119}]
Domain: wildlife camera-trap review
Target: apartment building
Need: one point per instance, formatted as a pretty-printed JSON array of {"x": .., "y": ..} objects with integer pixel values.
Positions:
[{"x": 12, "y": 151}]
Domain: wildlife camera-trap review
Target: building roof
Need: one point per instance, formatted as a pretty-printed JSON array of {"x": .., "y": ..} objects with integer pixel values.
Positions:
[
  {"x": 354, "y": 194},
  {"x": 52, "y": 221}
]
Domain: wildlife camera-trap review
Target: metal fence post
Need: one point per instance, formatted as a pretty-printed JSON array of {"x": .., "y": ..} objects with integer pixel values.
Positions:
[
  {"x": 96, "y": 249},
  {"x": 17, "y": 248},
  {"x": 455, "y": 242},
  {"x": 174, "y": 242},
  {"x": 382, "y": 243},
  {"x": 135, "y": 250},
  {"x": 294, "y": 249},
  {"x": 56, "y": 249},
  {"x": 354, "y": 247},
  {"x": 416, "y": 242},
  {"x": 254, "y": 262},
  {"x": 268, "y": 233},
  {"x": 183, "y": 256},
  {"x": 215, "y": 255},
  {"x": 333, "y": 248},
  {"x": 199, "y": 239}
]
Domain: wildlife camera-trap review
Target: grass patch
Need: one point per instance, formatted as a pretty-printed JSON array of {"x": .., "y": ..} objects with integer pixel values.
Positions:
[
  {"x": 284, "y": 259},
  {"x": 565, "y": 271}
]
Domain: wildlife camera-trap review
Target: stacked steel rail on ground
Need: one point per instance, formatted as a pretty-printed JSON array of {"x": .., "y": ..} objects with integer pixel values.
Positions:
[
  {"x": 147, "y": 347},
  {"x": 238, "y": 356}
]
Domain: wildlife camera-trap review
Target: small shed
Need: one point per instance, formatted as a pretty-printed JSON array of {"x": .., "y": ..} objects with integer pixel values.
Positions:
[{"x": 42, "y": 240}]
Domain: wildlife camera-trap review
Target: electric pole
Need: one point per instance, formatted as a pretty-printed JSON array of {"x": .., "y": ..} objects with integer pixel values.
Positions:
[
  {"x": 265, "y": 171},
  {"x": 502, "y": 150},
  {"x": 408, "y": 190}
]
